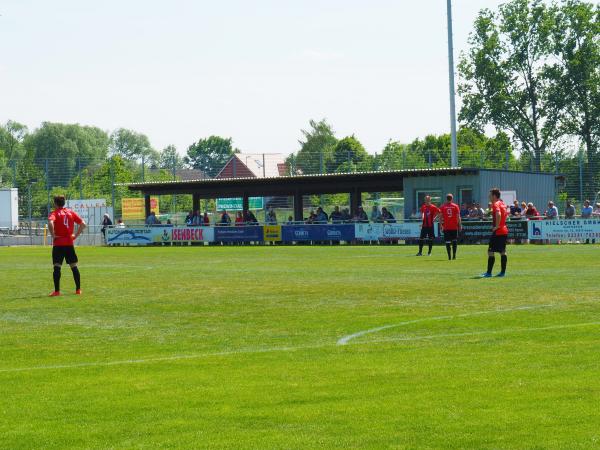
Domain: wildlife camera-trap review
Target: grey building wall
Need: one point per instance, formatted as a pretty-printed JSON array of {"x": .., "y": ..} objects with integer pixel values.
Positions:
[
  {"x": 537, "y": 188},
  {"x": 530, "y": 187}
]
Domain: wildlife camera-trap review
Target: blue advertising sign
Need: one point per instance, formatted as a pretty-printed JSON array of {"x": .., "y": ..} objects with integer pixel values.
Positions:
[
  {"x": 291, "y": 233},
  {"x": 239, "y": 234}
]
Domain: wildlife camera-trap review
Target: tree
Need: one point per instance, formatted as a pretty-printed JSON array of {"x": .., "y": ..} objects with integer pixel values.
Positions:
[
  {"x": 316, "y": 149},
  {"x": 576, "y": 43},
  {"x": 11, "y": 139},
  {"x": 62, "y": 150},
  {"x": 170, "y": 159},
  {"x": 349, "y": 155},
  {"x": 506, "y": 79},
  {"x": 210, "y": 154},
  {"x": 130, "y": 145}
]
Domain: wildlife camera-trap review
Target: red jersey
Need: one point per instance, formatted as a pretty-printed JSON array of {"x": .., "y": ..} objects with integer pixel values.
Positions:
[
  {"x": 450, "y": 214},
  {"x": 429, "y": 214},
  {"x": 500, "y": 207},
  {"x": 64, "y": 225}
]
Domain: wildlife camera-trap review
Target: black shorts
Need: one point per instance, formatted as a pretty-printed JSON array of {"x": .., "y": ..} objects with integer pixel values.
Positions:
[
  {"x": 497, "y": 244},
  {"x": 427, "y": 232},
  {"x": 67, "y": 253},
  {"x": 450, "y": 235}
]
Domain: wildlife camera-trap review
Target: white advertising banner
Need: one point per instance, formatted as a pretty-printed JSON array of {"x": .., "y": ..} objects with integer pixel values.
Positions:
[
  {"x": 384, "y": 231},
  {"x": 157, "y": 235},
  {"x": 564, "y": 229},
  {"x": 90, "y": 210}
]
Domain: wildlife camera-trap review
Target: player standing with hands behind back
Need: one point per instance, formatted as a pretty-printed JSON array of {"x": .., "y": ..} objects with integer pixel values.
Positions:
[
  {"x": 450, "y": 218},
  {"x": 499, "y": 234},
  {"x": 61, "y": 225}
]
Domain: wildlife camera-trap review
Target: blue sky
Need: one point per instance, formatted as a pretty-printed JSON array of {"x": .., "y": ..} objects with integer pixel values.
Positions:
[{"x": 256, "y": 71}]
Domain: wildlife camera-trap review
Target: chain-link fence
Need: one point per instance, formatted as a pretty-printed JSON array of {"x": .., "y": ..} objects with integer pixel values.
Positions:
[{"x": 37, "y": 180}]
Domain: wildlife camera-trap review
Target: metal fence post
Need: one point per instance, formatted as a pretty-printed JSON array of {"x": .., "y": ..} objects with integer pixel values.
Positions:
[
  {"x": 321, "y": 162},
  {"x": 80, "y": 178},
  {"x": 112, "y": 186},
  {"x": 14, "y": 183},
  {"x": 143, "y": 169},
  {"x": 173, "y": 196},
  {"x": 47, "y": 187},
  {"x": 581, "y": 174}
]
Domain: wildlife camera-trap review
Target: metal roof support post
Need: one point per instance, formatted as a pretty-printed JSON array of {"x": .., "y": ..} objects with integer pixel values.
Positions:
[
  {"x": 245, "y": 202},
  {"x": 195, "y": 202},
  {"x": 147, "y": 205},
  {"x": 298, "y": 207}
]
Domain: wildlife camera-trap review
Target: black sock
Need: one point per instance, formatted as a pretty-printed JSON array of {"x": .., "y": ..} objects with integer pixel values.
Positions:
[
  {"x": 420, "y": 245},
  {"x": 430, "y": 246},
  {"x": 76, "y": 277},
  {"x": 454, "y": 248},
  {"x": 491, "y": 261},
  {"x": 503, "y": 261},
  {"x": 448, "y": 250},
  {"x": 56, "y": 276}
]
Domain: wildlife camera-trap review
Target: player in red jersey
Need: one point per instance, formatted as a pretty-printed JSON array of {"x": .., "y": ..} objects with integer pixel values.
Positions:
[
  {"x": 428, "y": 214},
  {"x": 451, "y": 224},
  {"x": 499, "y": 234},
  {"x": 61, "y": 225}
]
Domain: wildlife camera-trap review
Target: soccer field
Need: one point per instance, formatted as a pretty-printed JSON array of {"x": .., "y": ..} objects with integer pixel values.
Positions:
[{"x": 301, "y": 347}]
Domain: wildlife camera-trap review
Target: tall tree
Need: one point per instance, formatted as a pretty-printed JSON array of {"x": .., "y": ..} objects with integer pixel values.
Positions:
[
  {"x": 349, "y": 155},
  {"x": 130, "y": 145},
  {"x": 170, "y": 159},
  {"x": 506, "y": 80},
  {"x": 11, "y": 139},
  {"x": 576, "y": 43},
  {"x": 210, "y": 154},
  {"x": 316, "y": 149}
]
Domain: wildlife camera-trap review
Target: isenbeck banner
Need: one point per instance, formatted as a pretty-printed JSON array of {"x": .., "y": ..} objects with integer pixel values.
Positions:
[
  {"x": 387, "y": 231},
  {"x": 476, "y": 231},
  {"x": 297, "y": 233},
  {"x": 239, "y": 234},
  {"x": 188, "y": 234},
  {"x": 564, "y": 229}
]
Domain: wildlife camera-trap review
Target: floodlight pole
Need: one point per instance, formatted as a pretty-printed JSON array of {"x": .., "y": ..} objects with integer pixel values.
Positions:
[{"x": 454, "y": 153}]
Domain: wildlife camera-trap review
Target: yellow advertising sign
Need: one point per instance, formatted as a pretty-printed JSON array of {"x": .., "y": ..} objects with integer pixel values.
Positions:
[
  {"x": 133, "y": 208},
  {"x": 272, "y": 233}
]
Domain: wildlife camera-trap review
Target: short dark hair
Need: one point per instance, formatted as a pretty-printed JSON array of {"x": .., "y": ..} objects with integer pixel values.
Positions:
[
  {"x": 449, "y": 197},
  {"x": 495, "y": 192},
  {"x": 59, "y": 200}
]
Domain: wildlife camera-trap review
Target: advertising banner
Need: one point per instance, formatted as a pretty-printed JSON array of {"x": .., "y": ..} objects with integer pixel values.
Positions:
[
  {"x": 187, "y": 234},
  {"x": 477, "y": 231},
  {"x": 272, "y": 233},
  {"x": 291, "y": 233},
  {"x": 387, "y": 231},
  {"x": 132, "y": 236},
  {"x": 236, "y": 204},
  {"x": 239, "y": 234},
  {"x": 133, "y": 208},
  {"x": 564, "y": 229},
  {"x": 84, "y": 207}
]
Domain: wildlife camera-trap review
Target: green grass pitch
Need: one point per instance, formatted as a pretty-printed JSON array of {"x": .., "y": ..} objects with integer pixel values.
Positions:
[{"x": 239, "y": 347}]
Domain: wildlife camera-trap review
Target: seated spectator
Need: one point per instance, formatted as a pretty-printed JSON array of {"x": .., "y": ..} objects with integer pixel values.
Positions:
[
  {"x": 361, "y": 215},
  {"x": 336, "y": 215},
  {"x": 587, "y": 210},
  {"x": 464, "y": 211},
  {"x": 387, "y": 216},
  {"x": 250, "y": 218},
  {"x": 596, "y": 213},
  {"x": 189, "y": 218},
  {"x": 196, "y": 219},
  {"x": 152, "y": 219},
  {"x": 290, "y": 221},
  {"x": 206, "y": 220},
  {"x": 312, "y": 217},
  {"x": 570, "y": 210},
  {"x": 476, "y": 212},
  {"x": 239, "y": 220},
  {"x": 271, "y": 217},
  {"x": 531, "y": 212},
  {"x": 120, "y": 223},
  {"x": 346, "y": 217},
  {"x": 552, "y": 211},
  {"x": 375, "y": 214},
  {"x": 515, "y": 210},
  {"x": 416, "y": 216},
  {"x": 488, "y": 211},
  {"x": 225, "y": 219},
  {"x": 169, "y": 224},
  {"x": 321, "y": 216}
]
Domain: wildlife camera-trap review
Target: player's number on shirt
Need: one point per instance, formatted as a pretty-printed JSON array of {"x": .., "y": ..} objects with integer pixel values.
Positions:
[
  {"x": 66, "y": 221},
  {"x": 449, "y": 212}
]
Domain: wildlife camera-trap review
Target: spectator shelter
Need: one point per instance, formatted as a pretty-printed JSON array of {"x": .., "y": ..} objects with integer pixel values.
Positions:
[{"x": 469, "y": 185}]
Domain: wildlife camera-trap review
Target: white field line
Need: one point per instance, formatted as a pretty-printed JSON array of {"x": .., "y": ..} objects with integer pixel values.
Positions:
[
  {"x": 345, "y": 339},
  {"x": 287, "y": 349}
]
